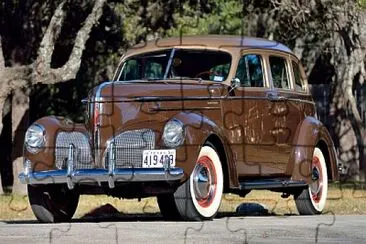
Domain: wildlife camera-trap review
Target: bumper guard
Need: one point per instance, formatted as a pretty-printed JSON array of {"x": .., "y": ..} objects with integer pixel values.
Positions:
[{"x": 110, "y": 175}]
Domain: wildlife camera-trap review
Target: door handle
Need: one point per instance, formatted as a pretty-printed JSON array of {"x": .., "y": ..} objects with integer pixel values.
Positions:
[{"x": 275, "y": 98}]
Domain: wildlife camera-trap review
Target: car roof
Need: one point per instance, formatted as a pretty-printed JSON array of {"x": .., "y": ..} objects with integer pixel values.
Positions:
[{"x": 212, "y": 41}]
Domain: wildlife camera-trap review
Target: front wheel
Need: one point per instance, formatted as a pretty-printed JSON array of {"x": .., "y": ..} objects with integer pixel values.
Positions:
[
  {"x": 311, "y": 201},
  {"x": 199, "y": 198},
  {"x": 52, "y": 203}
]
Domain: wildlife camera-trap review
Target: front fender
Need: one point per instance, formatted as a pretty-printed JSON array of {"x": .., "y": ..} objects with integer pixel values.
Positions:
[
  {"x": 198, "y": 129},
  {"x": 309, "y": 134},
  {"x": 45, "y": 158}
]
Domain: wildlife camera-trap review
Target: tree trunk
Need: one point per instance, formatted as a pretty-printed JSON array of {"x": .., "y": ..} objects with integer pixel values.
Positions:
[
  {"x": 6, "y": 168},
  {"x": 17, "y": 81},
  {"x": 20, "y": 122}
]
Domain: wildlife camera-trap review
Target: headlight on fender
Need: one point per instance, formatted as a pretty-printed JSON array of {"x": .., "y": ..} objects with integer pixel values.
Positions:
[
  {"x": 173, "y": 135},
  {"x": 35, "y": 138}
]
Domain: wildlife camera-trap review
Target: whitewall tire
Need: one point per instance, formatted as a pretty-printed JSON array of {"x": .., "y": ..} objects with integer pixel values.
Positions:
[
  {"x": 199, "y": 198},
  {"x": 312, "y": 200}
]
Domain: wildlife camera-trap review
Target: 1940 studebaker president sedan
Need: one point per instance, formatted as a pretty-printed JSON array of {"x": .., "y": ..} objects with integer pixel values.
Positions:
[{"x": 186, "y": 120}]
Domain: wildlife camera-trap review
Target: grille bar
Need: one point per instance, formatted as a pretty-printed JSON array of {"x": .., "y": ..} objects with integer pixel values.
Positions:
[
  {"x": 129, "y": 146},
  {"x": 83, "y": 158}
]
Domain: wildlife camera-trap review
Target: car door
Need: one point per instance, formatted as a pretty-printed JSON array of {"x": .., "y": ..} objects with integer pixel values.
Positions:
[
  {"x": 286, "y": 107},
  {"x": 249, "y": 124}
]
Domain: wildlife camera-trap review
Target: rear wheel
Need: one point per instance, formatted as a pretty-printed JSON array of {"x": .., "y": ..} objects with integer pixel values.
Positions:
[
  {"x": 312, "y": 200},
  {"x": 199, "y": 198},
  {"x": 52, "y": 203}
]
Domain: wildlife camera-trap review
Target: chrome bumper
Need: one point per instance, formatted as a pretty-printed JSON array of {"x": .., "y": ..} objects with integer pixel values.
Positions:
[
  {"x": 101, "y": 175},
  {"x": 110, "y": 175}
]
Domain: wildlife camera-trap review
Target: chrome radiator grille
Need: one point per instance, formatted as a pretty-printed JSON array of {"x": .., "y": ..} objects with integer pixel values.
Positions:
[
  {"x": 129, "y": 146},
  {"x": 83, "y": 157}
]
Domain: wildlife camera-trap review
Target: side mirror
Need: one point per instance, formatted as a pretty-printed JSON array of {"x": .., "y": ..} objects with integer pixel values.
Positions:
[{"x": 235, "y": 82}]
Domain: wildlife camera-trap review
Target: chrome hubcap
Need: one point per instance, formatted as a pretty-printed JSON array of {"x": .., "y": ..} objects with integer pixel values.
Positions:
[
  {"x": 317, "y": 184},
  {"x": 315, "y": 174},
  {"x": 204, "y": 181}
]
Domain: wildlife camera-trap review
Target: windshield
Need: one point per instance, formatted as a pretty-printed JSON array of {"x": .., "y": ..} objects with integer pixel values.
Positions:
[{"x": 177, "y": 64}]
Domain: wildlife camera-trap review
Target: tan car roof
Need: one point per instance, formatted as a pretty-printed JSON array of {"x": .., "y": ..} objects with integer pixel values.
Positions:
[{"x": 210, "y": 41}]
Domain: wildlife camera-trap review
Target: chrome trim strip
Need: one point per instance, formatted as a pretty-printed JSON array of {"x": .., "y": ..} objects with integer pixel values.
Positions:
[
  {"x": 183, "y": 108},
  {"x": 99, "y": 91},
  {"x": 70, "y": 166},
  {"x": 301, "y": 101},
  {"x": 188, "y": 98},
  {"x": 81, "y": 176},
  {"x": 97, "y": 149},
  {"x": 111, "y": 164},
  {"x": 271, "y": 184},
  {"x": 98, "y": 99}
]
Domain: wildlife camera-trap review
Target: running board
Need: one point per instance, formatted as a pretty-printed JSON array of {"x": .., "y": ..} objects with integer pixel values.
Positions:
[{"x": 270, "y": 184}]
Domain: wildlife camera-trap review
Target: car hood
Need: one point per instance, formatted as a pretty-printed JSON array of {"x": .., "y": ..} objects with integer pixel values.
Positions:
[{"x": 140, "y": 90}]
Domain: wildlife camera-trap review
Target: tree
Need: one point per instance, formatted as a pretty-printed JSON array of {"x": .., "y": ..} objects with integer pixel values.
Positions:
[{"x": 18, "y": 78}]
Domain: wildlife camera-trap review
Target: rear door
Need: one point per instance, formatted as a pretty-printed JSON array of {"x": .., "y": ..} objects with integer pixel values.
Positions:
[
  {"x": 286, "y": 108},
  {"x": 249, "y": 123}
]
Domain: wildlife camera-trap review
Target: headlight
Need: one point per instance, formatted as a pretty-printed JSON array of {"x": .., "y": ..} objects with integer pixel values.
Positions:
[
  {"x": 35, "y": 138},
  {"x": 173, "y": 135}
]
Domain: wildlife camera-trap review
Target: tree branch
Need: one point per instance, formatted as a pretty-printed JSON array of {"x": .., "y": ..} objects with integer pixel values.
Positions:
[
  {"x": 2, "y": 59},
  {"x": 69, "y": 70},
  {"x": 72, "y": 66},
  {"x": 43, "y": 62}
]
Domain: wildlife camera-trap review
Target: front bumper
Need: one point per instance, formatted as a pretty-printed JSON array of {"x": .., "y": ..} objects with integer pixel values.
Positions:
[
  {"x": 85, "y": 176},
  {"x": 73, "y": 176}
]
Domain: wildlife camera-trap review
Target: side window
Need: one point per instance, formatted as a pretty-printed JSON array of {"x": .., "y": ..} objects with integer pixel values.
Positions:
[
  {"x": 279, "y": 72},
  {"x": 130, "y": 70},
  {"x": 299, "y": 81},
  {"x": 250, "y": 72},
  {"x": 153, "y": 70}
]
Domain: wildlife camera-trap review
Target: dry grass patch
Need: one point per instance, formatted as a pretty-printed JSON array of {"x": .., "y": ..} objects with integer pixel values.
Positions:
[{"x": 342, "y": 199}]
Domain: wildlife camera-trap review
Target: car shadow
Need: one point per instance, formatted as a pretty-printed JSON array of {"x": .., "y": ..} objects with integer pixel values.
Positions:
[{"x": 108, "y": 213}]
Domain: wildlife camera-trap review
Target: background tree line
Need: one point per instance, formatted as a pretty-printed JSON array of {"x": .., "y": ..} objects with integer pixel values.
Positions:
[{"x": 53, "y": 52}]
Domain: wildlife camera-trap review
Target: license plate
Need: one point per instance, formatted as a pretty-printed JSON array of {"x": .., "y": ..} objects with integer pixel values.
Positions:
[{"x": 157, "y": 158}]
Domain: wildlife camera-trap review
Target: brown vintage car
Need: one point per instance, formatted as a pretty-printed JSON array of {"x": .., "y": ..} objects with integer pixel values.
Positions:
[{"x": 186, "y": 120}]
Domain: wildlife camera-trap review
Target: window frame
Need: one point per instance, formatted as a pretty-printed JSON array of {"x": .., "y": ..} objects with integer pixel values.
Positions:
[
  {"x": 289, "y": 73},
  {"x": 305, "y": 88},
  {"x": 262, "y": 56}
]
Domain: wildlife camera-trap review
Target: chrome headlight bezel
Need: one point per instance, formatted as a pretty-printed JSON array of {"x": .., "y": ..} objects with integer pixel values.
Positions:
[
  {"x": 35, "y": 138},
  {"x": 174, "y": 133}
]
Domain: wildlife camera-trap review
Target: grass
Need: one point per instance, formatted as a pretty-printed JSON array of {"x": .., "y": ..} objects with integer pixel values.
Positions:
[{"x": 342, "y": 199}]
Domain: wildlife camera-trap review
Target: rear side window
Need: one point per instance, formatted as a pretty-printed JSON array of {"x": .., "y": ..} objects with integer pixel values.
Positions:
[
  {"x": 279, "y": 72},
  {"x": 250, "y": 72},
  {"x": 299, "y": 81}
]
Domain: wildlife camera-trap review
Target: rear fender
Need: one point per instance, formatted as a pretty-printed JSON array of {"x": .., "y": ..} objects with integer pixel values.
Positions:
[{"x": 311, "y": 133}]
